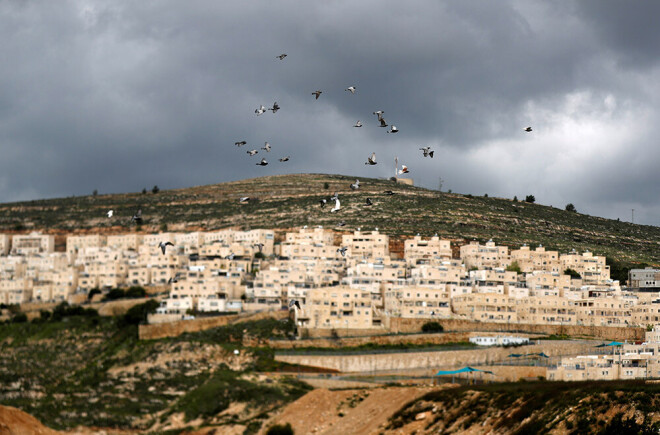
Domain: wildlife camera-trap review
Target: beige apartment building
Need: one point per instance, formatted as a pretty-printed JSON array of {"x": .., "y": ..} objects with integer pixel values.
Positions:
[
  {"x": 366, "y": 245},
  {"x": 310, "y": 236},
  {"x": 644, "y": 279},
  {"x": 74, "y": 244},
  {"x": 546, "y": 310},
  {"x": 546, "y": 283},
  {"x": 418, "y": 302},
  {"x": 337, "y": 308},
  {"x": 592, "y": 269},
  {"x": 125, "y": 241},
  {"x": 5, "y": 244},
  {"x": 33, "y": 243},
  {"x": 486, "y": 307},
  {"x": 478, "y": 256},
  {"x": 433, "y": 251},
  {"x": 646, "y": 313},
  {"x": 493, "y": 281},
  {"x": 627, "y": 361},
  {"x": 536, "y": 260}
]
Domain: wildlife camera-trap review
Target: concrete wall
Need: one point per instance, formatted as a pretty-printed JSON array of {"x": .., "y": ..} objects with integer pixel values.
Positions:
[{"x": 408, "y": 361}]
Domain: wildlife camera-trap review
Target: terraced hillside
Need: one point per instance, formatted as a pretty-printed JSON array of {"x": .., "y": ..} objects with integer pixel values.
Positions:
[{"x": 289, "y": 201}]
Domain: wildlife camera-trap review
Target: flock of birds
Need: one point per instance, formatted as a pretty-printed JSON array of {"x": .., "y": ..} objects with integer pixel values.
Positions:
[{"x": 371, "y": 161}]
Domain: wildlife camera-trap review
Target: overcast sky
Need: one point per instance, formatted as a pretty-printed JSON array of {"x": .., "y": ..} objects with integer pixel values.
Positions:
[{"x": 120, "y": 95}]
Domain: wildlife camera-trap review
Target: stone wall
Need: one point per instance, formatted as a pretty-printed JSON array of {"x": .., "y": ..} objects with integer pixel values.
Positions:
[{"x": 173, "y": 329}]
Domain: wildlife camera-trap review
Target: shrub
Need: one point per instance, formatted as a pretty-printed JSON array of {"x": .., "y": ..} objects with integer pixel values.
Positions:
[
  {"x": 432, "y": 327},
  {"x": 573, "y": 273},
  {"x": 114, "y": 294},
  {"x": 280, "y": 429},
  {"x": 92, "y": 292},
  {"x": 571, "y": 207},
  {"x": 515, "y": 199},
  {"x": 514, "y": 267},
  {"x": 19, "y": 318},
  {"x": 155, "y": 190},
  {"x": 326, "y": 185},
  {"x": 138, "y": 313},
  {"x": 135, "y": 292},
  {"x": 530, "y": 199}
]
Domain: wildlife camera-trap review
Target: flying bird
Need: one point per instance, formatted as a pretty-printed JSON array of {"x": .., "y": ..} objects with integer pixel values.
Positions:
[
  {"x": 281, "y": 56},
  {"x": 137, "y": 217},
  {"x": 342, "y": 251},
  {"x": 368, "y": 202},
  {"x": 261, "y": 110},
  {"x": 252, "y": 152},
  {"x": 162, "y": 245},
  {"x": 356, "y": 185},
  {"x": 403, "y": 170},
  {"x": 323, "y": 202},
  {"x": 317, "y": 93},
  {"x": 294, "y": 303},
  {"x": 341, "y": 224},
  {"x": 259, "y": 245},
  {"x": 371, "y": 160},
  {"x": 337, "y": 206},
  {"x": 388, "y": 192},
  {"x": 110, "y": 212},
  {"x": 263, "y": 162},
  {"x": 240, "y": 144},
  {"x": 358, "y": 124},
  {"x": 244, "y": 199},
  {"x": 275, "y": 107},
  {"x": 351, "y": 89},
  {"x": 383, "y": 123},
  {"x": 528, "y": 129},
  {"x": 230, "y": 256},
  {"x": 427, "y": 152},
  {"x": 284, "y": 159},
  {"x": 266, "y": 147},
  {"x": 379, "y": 113},
  {"x": 393, "y": 129}
]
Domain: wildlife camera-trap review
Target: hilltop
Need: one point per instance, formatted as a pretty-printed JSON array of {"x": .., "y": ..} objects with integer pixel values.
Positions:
[{"x": 288, "y": 201}]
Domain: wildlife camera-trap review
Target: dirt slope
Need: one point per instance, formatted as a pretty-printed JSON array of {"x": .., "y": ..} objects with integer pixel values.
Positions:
[
  {"x": 362, "y": 411},
  {"x": 16, "y": 422}
]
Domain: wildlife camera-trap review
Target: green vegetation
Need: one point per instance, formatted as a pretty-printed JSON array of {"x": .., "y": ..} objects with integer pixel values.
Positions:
[
  {"x": 134, "y": 292},
  {"x": 573, "y": 273},
  {"x": 289, "y": 201},
  {"x": 537, "y": 407},
  {"x": 570, "y": 207},
  {"x": 93, "y": 371},
  {"x": 514, "y": 267},
  {"x": 280, "y": 429}
]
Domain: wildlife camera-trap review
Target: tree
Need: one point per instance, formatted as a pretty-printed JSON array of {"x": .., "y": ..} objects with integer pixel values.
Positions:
[
  {"x": 92, "y": 292},
  {"x": 144, "y": 190},
  {"x": 571, "y": 207},
  {"x": 155, "y": 190},
  {"x": 573, "y": 273},
  {"x": 326, "y": 186},
  {"x": 95, "y": 192},
  {"x": 515, "y": 199},
  {"x": 485, "y": 195},
  {"x": 432, "y": 327},
  {"x": 514, "y": 267},
  {"x": 530, "y": 199}
]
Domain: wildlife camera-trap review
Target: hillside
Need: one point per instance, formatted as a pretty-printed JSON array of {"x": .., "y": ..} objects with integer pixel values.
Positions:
[{"x": 289, "y": 201}]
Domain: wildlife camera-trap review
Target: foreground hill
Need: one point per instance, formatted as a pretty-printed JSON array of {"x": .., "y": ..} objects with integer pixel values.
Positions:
[{"x": 288, "y": 201}]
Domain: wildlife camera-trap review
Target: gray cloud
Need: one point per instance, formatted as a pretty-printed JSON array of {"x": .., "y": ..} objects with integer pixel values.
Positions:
[{"x": 119, "y": 95}]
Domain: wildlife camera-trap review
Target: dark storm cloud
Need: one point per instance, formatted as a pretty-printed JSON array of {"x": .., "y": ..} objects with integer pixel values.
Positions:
[{"x": 117, "y": 96}]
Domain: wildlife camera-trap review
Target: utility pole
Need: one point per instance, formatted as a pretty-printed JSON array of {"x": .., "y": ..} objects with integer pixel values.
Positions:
[
  {"x": 633, "y": 215},
  {"x": 440, "y": 182}
]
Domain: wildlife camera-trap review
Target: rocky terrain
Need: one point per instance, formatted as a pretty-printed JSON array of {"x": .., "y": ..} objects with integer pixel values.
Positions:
[{"x": 289, "y": 201}]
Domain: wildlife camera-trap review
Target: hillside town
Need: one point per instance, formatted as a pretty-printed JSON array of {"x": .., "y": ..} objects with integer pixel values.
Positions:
[{"x": 350, "y": 280}]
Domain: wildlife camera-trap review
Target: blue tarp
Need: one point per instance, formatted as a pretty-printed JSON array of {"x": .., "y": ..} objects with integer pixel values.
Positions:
[
  {"x": 614, "y": 343},
  {"x": 463, "y": 370}
]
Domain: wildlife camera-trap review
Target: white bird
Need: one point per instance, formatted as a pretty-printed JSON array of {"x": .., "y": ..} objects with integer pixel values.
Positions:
[
  {"x": 162, "y": 245},
  {"x": 337, "y": 206},
  {"x": 266, "y": 147},
  {"x": 317, "y": 93},
  {"x": 403, "y": 170},
  {"x": 252, "y": 152},
  {"x": 356, "y": 185},
  {"x": 334, "y": 197},
  {"x": 236, "y": 352},
  {"x": 393, "y": 129},
  {"x": 261, "y": 110},
  {"x": 240, "y": 144},
  {"x": 263, "y": 162},
  {"x": 110, "y": 212},
  {"x": 281, "y": 56},
  {"x": 371, "y": 160},
  {"x": 275, "y": 107},
  {"x": 294, "y": 303},
  {"x": 379, "y": 113},
  {"x": 323, "y": 202},
  {"x": 351, "y": 89},
  {"x": 284, "y": 159},
  {"x": 244, "y": 199},
  {"x": 342, "y": 251},
  {"x": 358, "y": 124},
  {"x": 341, "y": 224},
  {"x": 427, "y": 152}
]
